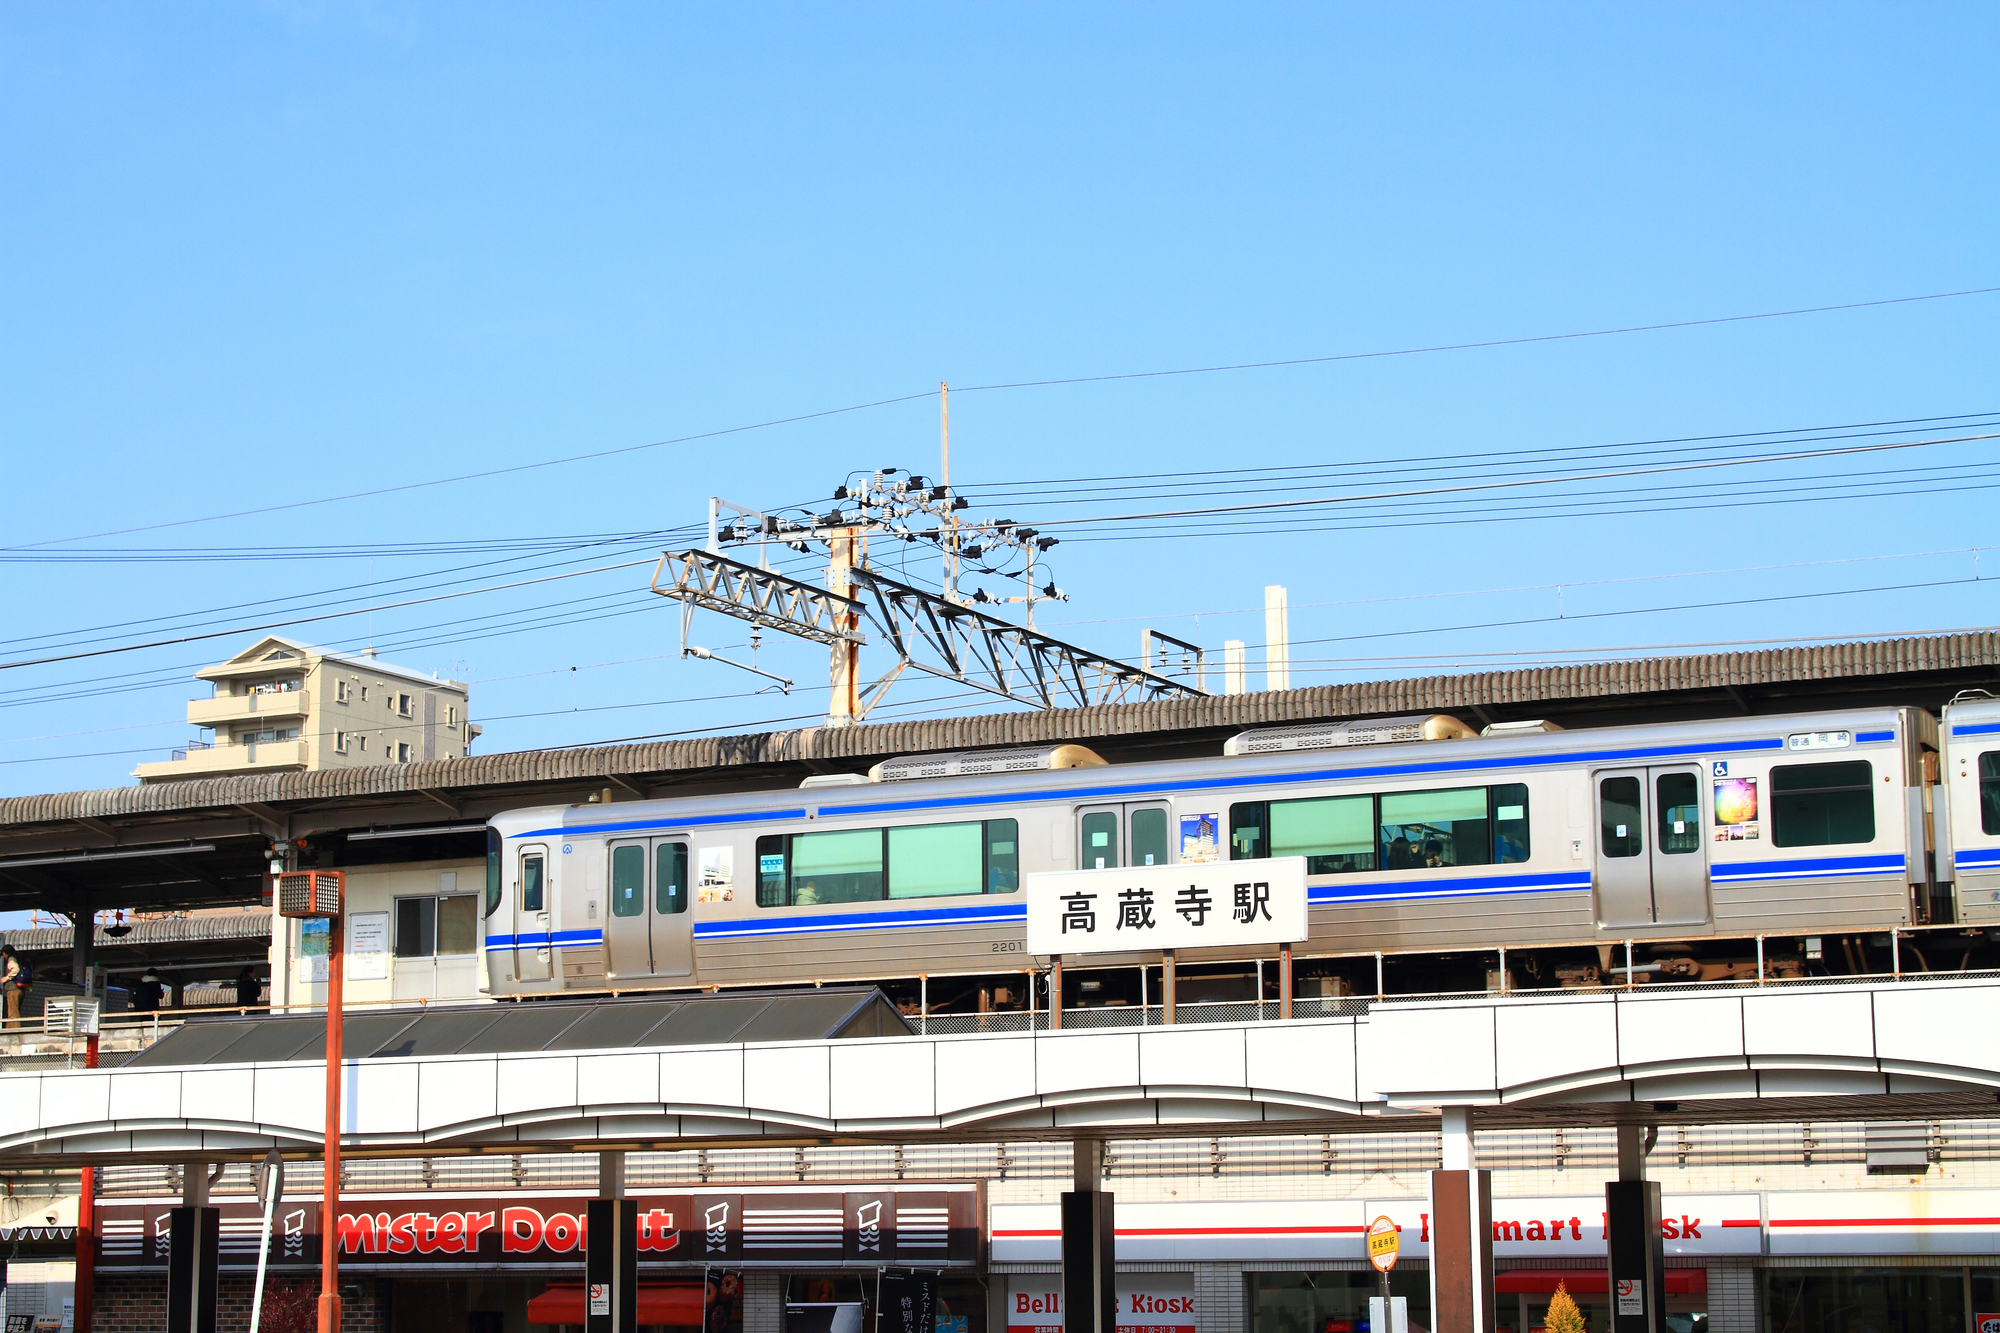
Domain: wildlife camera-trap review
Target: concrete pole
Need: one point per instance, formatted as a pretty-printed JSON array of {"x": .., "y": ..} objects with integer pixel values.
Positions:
[
  {"x": 1232, "y": 667},
  {"x": 1634, "y": 1251},
  {"x": 843, "y": 548},
  {"x": 1461, "y": 1216},
  {"x": 1089, "y": 1246}
]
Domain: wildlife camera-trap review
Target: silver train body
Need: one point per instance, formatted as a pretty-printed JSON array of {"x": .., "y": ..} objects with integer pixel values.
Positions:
[{"x": 1784, "y": 825}]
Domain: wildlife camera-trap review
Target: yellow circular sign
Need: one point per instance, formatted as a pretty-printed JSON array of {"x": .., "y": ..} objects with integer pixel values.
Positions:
[{"x": 1384, "y": 1238}]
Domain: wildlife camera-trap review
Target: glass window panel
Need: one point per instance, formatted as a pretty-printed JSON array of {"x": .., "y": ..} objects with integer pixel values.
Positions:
[
  {"x": 492, "y": 857},
  {"x": 772, "y": 884},
  {"x": 1510, "y": 823},
  {"x": 531, "y": 883},
  {"x": 458, "y": 924},
  {"x": 1149, "y": 836},
  {"x": 1335, "y": 834},
  {"x": 843, "y": 867},
  {"x": 1677, "y": 800},
  {"x": 1819, "y": 805},
  {"x": 933, "y": 859},
  {"x": 628, "y": 880},
  {"x": 670, "y": 878},
  {"x": 1247, "y": 830},
  {"x": 416, "y": 922},
  {"x": 1100, "y": 840},
  {"x": 1427, "y": 830},
  {"x": 1989, "y": 792},
  {"x": 1618, "y": 817},
  {"x": 1003, "y": 856}
]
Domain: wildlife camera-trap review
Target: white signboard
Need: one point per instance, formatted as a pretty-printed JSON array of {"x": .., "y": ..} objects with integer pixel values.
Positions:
[
  {"x": 1147, "y": 1303},
  {"x": 1167, "y": 907},
  {"x": 368, "y": 946}
]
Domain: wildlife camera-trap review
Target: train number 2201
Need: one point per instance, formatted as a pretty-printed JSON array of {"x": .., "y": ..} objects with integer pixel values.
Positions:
[{"x": 1008, "y": 946}]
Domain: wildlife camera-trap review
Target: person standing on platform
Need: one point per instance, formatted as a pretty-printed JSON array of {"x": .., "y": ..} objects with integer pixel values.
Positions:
[
  {"x": 13, "y": 983},
  {"x": 249, "y": 990}
]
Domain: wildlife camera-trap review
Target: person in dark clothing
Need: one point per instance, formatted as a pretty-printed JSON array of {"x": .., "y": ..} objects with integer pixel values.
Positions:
[
  {"x": 149, "y": 992},
  {"x": 249, "y": 990}
]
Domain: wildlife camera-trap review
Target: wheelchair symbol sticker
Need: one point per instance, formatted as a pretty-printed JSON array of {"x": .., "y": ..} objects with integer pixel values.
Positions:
[{"x": 1721, "y": 767}]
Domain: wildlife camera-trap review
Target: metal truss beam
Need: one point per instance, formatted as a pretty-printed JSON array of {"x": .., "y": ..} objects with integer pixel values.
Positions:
[
  {"x": 712, "y": 582},
  {"x": 972, "y": 648}
]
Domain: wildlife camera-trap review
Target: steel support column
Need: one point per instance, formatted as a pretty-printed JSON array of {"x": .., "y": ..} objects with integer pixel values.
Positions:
[
  {"x": 611, "y": 1253},
  {"x": 1089, "y": 1247},
  {"x": 1635, "y": 1253}
]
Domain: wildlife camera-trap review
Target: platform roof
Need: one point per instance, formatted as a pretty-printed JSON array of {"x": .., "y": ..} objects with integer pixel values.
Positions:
[
  {"x": 200, "y": 841},
  {"x": 830, "y": 1014}
]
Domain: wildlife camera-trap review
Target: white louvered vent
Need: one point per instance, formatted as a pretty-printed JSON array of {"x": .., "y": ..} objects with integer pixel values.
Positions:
[
  {"x": 1339, "y": 735},
  {"x": 965, "y": 763}
]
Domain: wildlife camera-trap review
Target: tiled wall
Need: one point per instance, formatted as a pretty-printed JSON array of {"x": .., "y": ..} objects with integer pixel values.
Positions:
[{"x": 137, "y": 1303}]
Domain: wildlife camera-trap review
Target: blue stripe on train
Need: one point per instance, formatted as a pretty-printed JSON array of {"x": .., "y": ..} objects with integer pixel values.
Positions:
[
  {"x": 1806, "y": 868},
  {"x": 983, "y": 914},
  {"x": 1471, "y": 887},
  {"x": 544, "y": 940},
  {"x": 1978, "y": 857},
  {"x": 1977, "y": 729}
]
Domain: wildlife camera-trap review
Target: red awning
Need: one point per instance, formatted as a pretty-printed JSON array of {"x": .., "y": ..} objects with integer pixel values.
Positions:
[
  {"x": 1591, "y": 1281},
  {"x": 676, "y": 1304}
]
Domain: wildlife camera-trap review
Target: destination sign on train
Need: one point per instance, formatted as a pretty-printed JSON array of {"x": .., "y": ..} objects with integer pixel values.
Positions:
[{"x": 1185, "y": 906}]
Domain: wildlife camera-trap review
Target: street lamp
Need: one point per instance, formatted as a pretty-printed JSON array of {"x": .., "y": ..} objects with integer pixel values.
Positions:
[{"x": 317, "y": 895}]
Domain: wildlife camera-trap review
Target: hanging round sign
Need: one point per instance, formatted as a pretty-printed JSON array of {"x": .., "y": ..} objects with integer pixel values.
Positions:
[{"x": 1384, "y": 1237}]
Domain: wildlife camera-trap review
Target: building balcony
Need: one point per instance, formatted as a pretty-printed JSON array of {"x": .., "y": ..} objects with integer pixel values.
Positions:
[
  {"x": 224, "y": 759},
  {"x": 226, "y": 708}
]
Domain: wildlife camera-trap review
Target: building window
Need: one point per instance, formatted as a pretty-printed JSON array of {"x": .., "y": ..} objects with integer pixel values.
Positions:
[
  {"x": 340, "y": 691},
  {"x": 437, "y": 926},
  {"x": 364, "y": 694},
  {"x": 402, "y": 705},
  {"x": 451, "y": 716},
  {"x": 340, "y": 742},
  {"x": 267, "y": 736},
  {"x": 402, "y": 752}
]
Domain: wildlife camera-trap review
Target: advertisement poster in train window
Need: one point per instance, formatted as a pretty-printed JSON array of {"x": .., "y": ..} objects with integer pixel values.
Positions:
[
  {"x": 1200, "y": 840},
  {"x": 1735, "y": 809},
  {"x": 715, "y": 874}
]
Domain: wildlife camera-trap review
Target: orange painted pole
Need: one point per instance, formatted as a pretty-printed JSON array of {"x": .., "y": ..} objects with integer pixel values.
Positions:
[
  {"x": 86, "y": 1225},
  {"x": 329, "y": 1208}
]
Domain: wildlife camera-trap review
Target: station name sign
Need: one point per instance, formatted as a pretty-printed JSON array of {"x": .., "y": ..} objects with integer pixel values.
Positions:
[
  {"x": 1212, "y": 905},
  {"x": 931, "y": 1225}
]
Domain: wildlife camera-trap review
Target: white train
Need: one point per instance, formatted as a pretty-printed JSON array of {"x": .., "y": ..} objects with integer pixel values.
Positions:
[{"x": 1424, "y": 841}]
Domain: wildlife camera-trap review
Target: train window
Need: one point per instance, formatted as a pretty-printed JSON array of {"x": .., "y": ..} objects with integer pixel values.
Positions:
[
  {"x": 1424, "y": 830},
  {"x": 670, "y": 878},
  {"x": 1816, "y": 805},
  {"x": 1677, "y": 798},
  {"x": 1148, "y": 827},
  {"x": 1248, "y": 821},
  {"x": 531, "y": 882},
  {"x": 1989, "y": 792},
  {"x": 1510, "y": 822},
  {"x": 628, "y": 880},
  {"x": 1003, "y": 857},
  {"x": 1618, "y": 817},
  {"x": 1336, "y": 835},
  {"x": 492, "y": 871},
  {"x": 1100, "y": 840},
  {"x": 933, "y": 859},
  {"x": 771, "y": 885},
  {"x": 843, "y": 867}
]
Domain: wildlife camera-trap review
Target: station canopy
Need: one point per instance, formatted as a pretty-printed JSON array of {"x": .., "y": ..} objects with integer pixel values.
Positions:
[{"x": 825, "y": 1014}]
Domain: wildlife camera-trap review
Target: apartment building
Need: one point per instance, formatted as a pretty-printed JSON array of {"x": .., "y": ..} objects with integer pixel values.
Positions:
[{"x": 283, "y": 706}]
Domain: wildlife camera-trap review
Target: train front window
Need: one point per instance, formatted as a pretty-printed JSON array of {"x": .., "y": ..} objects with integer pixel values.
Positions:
[
  {"x": 1819, "y": 805},
  {"x": 628, "y": 880},
  {"x": 931, "y": 860},
  {"x": 1677, "y": 798},
  {"x": 492, "y": 871},
  {"x": 1618, "y": 828},
  {"x": 844, "y": 867},
  {"x": 1989, "y": 792},
  {"x": 1427, "y": 830},
  {"x": 1336, "y": 835}
]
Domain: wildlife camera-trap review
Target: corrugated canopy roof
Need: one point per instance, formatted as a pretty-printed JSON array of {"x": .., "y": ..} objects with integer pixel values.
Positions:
[{"x": 547, "y": 1025}]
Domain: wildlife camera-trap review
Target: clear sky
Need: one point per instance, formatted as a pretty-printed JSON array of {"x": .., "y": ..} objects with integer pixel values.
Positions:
[{"x": 258, "y": 254}]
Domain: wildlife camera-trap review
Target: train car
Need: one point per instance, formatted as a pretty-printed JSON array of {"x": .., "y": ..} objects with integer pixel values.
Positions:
[
  {"x": 1420, "y": 836},
  {"x": 1967, "y": 806}
]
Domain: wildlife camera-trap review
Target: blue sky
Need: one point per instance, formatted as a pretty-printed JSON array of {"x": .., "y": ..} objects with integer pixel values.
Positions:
[{"x": 260, "y": 254}]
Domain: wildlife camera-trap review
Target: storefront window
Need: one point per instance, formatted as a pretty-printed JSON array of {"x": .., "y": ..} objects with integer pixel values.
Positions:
[
  {"x": 1330, "y": 1302},
  {"x": 1864, "y": 1301}
]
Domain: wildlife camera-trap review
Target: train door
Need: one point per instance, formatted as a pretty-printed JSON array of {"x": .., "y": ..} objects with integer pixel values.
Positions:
[
  {"x": 1652, "y": 861},
  {"x": 627, "y": 934},
  {"x": 671, "y": 924},
  {"x": 531, "y": 915},
  {"x": 1137, "y": 834}
]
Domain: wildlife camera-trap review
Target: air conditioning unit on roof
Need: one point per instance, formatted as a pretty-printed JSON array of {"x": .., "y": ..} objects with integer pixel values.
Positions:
[
  {"x": 1340, "y": 735},
  {"x": 965, "y": 763}
]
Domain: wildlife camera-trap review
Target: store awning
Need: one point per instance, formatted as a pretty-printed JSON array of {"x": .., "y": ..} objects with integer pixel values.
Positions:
[
  {"x": 671, "y": 1304},
  {"x": 1592, "y": 1281}
]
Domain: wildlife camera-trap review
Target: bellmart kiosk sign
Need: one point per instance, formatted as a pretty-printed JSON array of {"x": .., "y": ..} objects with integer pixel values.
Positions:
[{"x": 1186, "y": 906}]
